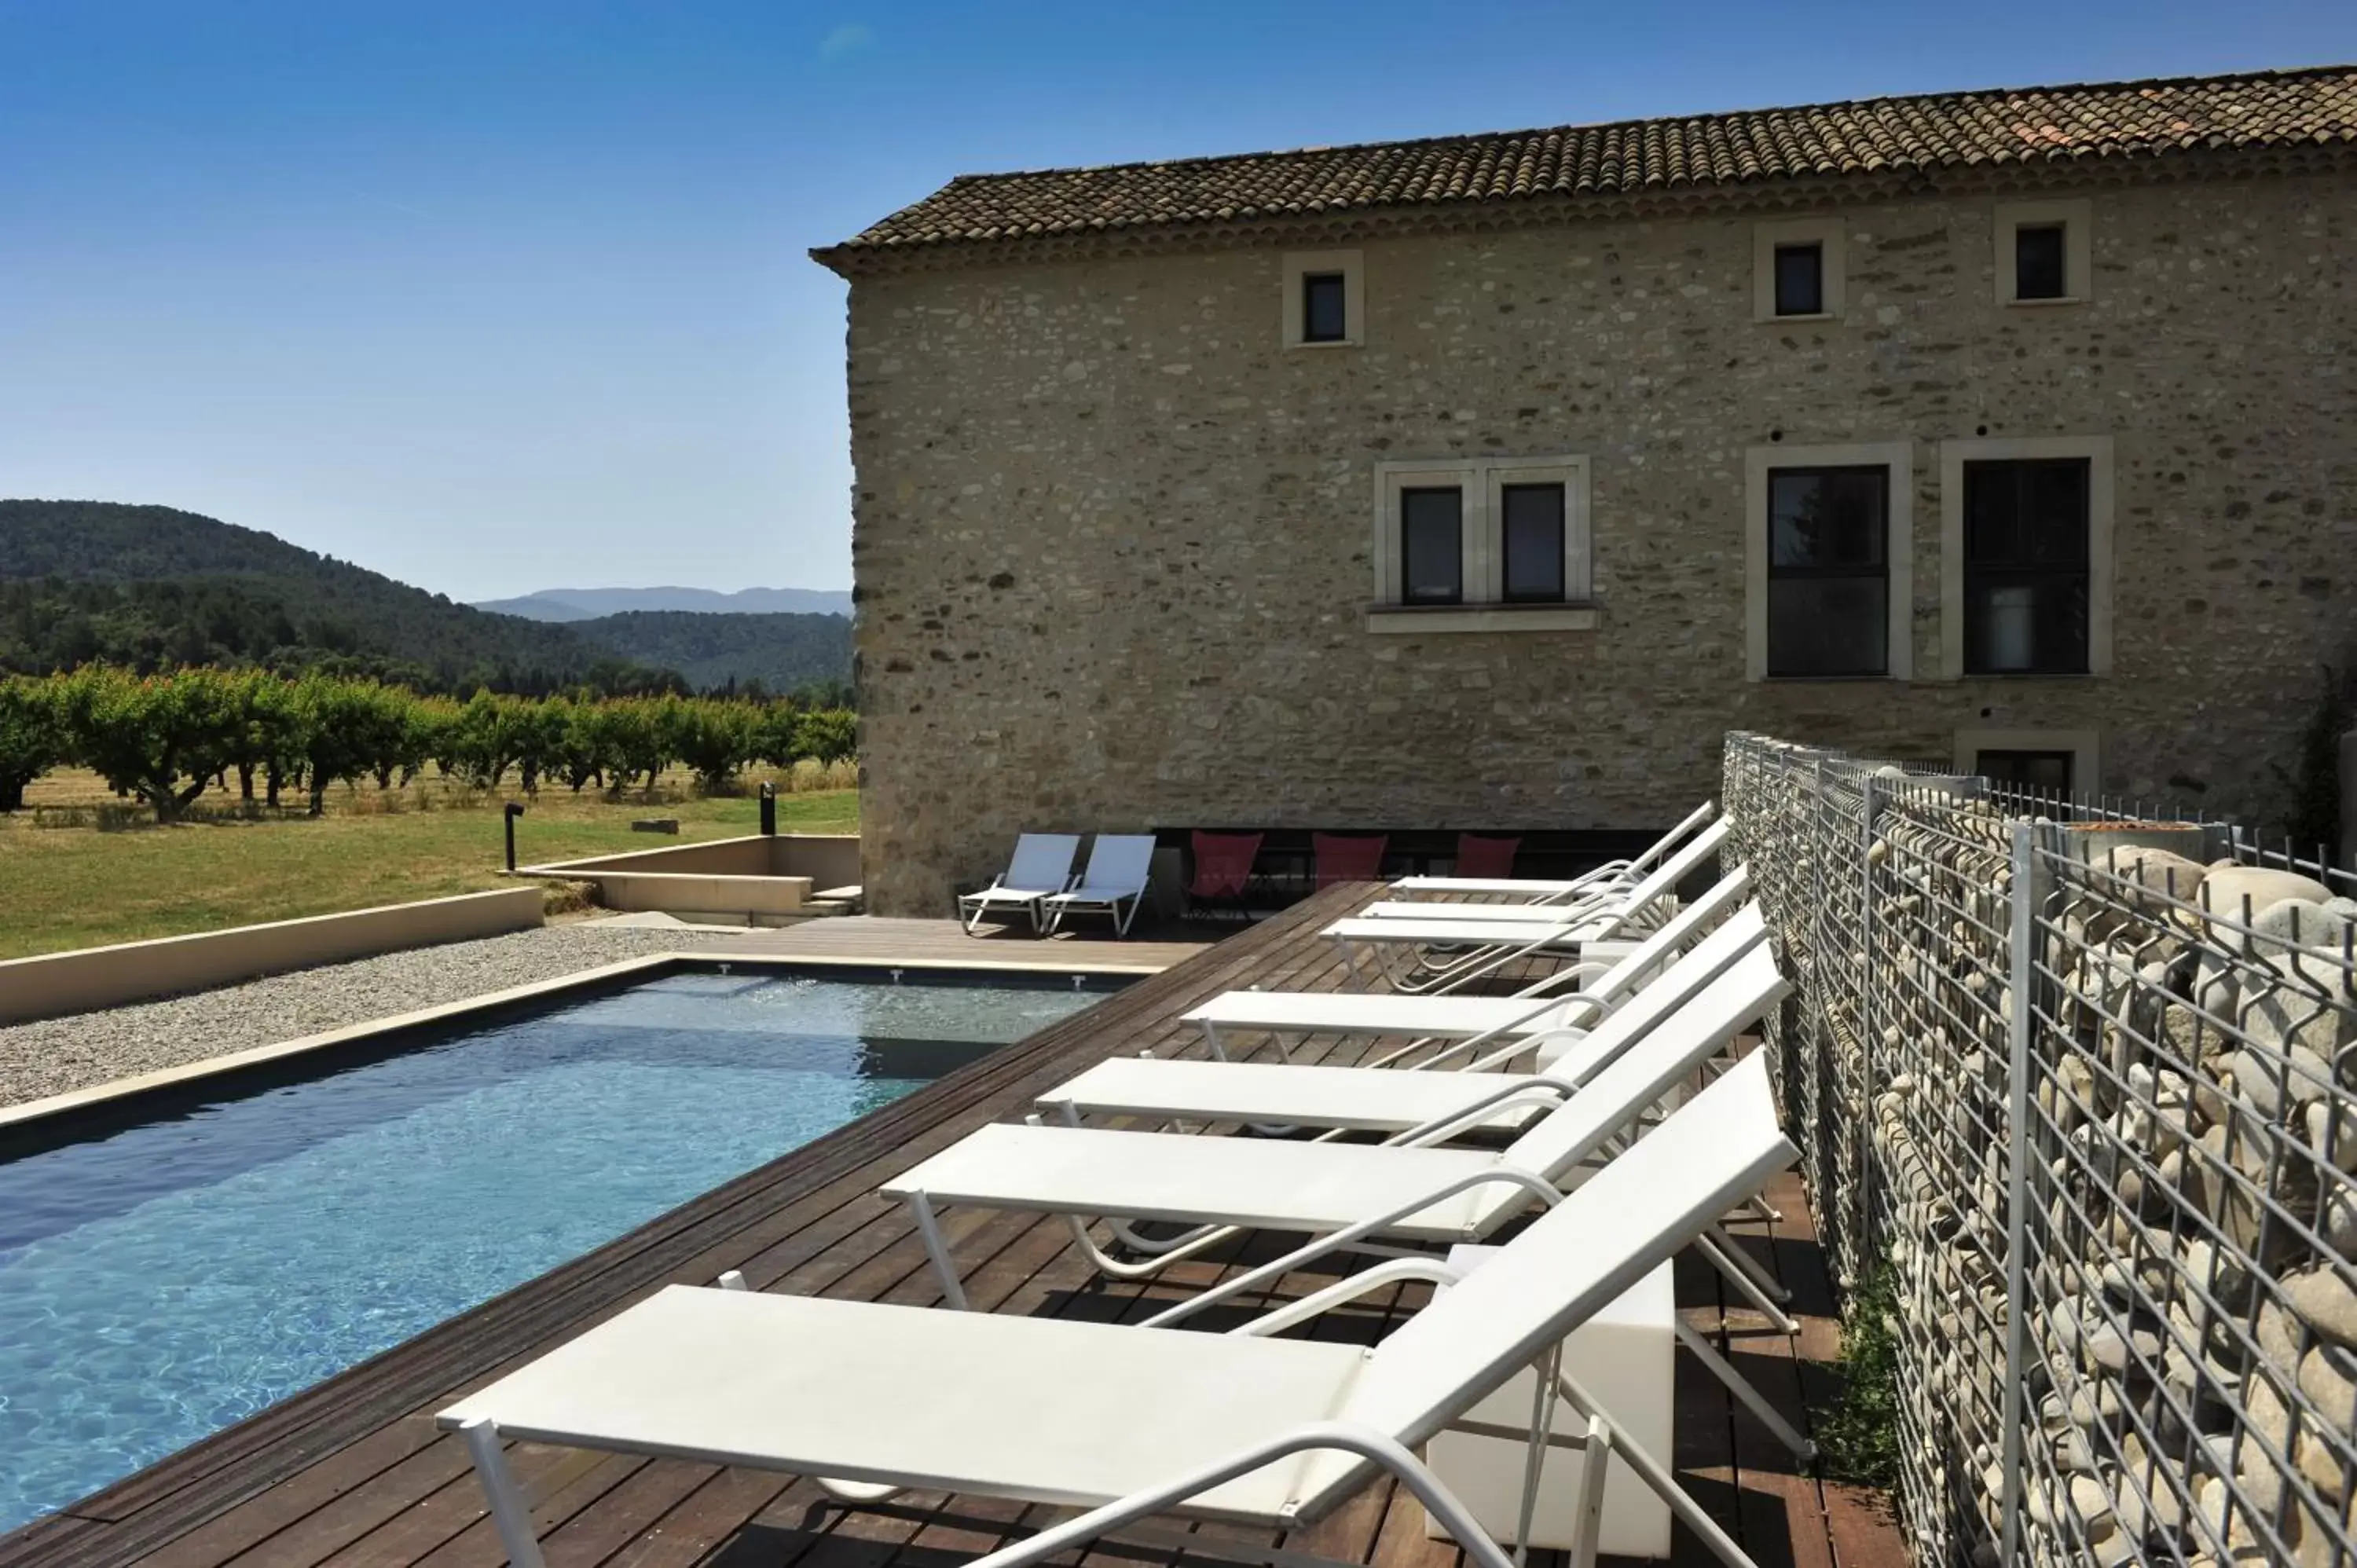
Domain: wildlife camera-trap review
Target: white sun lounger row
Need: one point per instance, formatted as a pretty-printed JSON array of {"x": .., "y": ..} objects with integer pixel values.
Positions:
[
  {"x": 1126, "y": 1422},
  {"x": 1540, "y": 1009},
  {"x": 1038, "y": 882},
  {"x": 1541, "y": 892},
  {"x": 1488, "y": 937}
]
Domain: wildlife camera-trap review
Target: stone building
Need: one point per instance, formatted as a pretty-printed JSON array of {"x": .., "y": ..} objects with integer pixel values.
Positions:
[{"x": 1485, "y": 481}]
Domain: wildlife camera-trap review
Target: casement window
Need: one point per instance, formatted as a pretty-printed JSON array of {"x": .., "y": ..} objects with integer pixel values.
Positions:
[
  {"x": 2036, "y": 761},
  {"x": 2044, "y": 253},
  {"x": 2026, "y": 567},
  {"x": 1829, "y": 571},
  {"x": 1325, "y": 303},
  {"x": 1829, "y": 562},
  {"x": 1797, "y": 270},
  {"x": 1495, "y": 544},
  {"x": 2025, "y": 553},
  {"x": 1324, "y": 315}
]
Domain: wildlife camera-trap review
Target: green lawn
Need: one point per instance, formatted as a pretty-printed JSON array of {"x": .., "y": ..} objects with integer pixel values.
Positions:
[{"x": 77, "y": 887}]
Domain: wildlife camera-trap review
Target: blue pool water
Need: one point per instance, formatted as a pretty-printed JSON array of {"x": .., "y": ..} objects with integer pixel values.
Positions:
[{"x": 162, "y": 1281}]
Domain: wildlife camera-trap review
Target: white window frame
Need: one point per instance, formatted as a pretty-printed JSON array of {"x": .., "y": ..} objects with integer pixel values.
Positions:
[
  {"x": 1828, "y": 235},
  {"x": 1481, "y": 481},
  {"x": 2077, "y": 216},
  {"x": 2083, "y": 745},
  {"x": 1954, "y": 455},
  {"x": 1300, "y": 264},
  {"x": 1897, "y": 459}
]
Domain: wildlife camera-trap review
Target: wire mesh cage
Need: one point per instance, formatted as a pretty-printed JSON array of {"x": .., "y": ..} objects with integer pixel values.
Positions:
[{"x": 2080, "y": 1081}]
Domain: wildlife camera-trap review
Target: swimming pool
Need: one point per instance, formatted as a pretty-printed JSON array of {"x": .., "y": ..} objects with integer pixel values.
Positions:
[{"x": 162, "y": 1280}]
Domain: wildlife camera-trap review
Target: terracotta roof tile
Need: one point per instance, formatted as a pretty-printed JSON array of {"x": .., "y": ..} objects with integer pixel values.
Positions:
[{"x": 2016, "y": 127}]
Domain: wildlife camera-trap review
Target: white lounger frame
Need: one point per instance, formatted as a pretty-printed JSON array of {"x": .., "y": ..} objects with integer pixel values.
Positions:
[
  {"x": 1422, "y": 956},
  {"x": 1540, "y": 892}
]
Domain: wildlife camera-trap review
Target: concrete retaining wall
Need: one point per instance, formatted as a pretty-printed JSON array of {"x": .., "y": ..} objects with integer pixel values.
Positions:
[
  {"x": 756, "y": 879},
  {"x": 54, "y": 985}
]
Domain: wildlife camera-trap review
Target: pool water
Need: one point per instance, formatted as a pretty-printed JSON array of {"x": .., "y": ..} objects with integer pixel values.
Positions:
[{"x": 163, "y": 1281}]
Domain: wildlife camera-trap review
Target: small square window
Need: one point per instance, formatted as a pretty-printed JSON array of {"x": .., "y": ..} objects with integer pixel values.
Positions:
[
  {"x": 1532, "y": 526},
  {"x": 1324, "y": 316},
  {"x": 2040, "y": 270},
  {"x": 1800, "y": 279},
  {"x": 1432, "y": 546}
]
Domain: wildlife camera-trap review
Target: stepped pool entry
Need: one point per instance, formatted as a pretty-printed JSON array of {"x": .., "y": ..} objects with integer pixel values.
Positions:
[{"x": 163, "y": 1278}]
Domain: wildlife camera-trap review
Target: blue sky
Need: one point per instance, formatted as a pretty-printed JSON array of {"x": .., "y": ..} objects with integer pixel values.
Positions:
[{"x": 494, "y": 297}]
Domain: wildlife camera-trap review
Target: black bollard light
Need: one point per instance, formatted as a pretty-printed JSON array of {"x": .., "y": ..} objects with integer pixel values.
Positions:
[
  {"x": 515, "y": 809},
  {"x": 769, "y": 809}
]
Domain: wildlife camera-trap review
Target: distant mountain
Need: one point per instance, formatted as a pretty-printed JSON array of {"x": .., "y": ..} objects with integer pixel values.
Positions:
[
  {"x": 583, "y": 604},
  {"x": 153, "y": 586}
]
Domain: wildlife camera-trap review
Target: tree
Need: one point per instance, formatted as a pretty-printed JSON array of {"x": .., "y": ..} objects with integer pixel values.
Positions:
[
  {"x": 32, "y": 740},
  {"x": 716, "y": 737},
  {"x": 159, "y": 737}
]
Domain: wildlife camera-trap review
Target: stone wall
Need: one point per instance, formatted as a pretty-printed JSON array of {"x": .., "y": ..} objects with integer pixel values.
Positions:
[{"x": 1112, "y": 542}]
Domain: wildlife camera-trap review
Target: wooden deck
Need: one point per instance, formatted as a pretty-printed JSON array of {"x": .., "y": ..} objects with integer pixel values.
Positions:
[
  {"x": 352, "y": 1473},
  {"x": 884, "y": 939}
]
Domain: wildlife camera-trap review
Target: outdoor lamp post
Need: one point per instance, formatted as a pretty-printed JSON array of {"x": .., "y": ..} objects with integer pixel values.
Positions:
[{"x": 515, "y": 809}]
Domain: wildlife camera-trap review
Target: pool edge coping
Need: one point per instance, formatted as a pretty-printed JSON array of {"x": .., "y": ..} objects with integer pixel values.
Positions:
[{"x": 73, "y": 1100}]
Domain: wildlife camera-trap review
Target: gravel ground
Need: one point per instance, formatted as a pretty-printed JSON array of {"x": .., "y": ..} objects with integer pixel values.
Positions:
[{"x": 57, "y": 1055}]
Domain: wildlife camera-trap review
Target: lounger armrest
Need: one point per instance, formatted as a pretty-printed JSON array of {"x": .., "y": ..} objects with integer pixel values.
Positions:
[
  {"x": 1440, "y": 1129},
  {"x": 1270, "y": 1272},
  {"x": 1378, "y": 1447},
  {"x": 1349, "y": 1289}
]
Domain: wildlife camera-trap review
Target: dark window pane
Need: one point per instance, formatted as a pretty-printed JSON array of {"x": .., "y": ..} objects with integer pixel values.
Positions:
[
  {"x": 1323, "y": 319},
  {"x": 1800, "y": 280},
  {"x": 1432, "y": 546},
  {"x": 2046, "y": 772},
  {"x": 1826, "y": 517},
  {"x": 1827, "y": 625},
  {"x": 2026, "y": 567},
  {"x": 1828, "y": 587},
  {"x": 2038, "y": 270},
  {"x": 1533, "y": 540}
]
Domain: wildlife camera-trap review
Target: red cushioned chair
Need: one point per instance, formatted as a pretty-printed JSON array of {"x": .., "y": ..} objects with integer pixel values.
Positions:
[
  {"x": 1479, "y": 856},
  {"x": 1349, "y": 858}
]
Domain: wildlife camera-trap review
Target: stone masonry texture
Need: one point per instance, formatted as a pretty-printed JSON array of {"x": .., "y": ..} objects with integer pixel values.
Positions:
[{"x": 1113, "y": 542}]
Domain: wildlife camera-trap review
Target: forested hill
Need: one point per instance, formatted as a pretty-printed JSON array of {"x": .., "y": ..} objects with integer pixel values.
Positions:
[
  {"x": 783, "y": 652},
  {"x": 153, "y": 586}
]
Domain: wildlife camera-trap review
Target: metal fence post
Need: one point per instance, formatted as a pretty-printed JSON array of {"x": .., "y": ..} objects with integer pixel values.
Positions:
[{"x": 2022, "y": 970}]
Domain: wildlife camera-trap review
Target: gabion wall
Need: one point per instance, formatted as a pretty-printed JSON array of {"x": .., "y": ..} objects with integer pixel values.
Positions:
[{"x": 2085, "y": 1084}]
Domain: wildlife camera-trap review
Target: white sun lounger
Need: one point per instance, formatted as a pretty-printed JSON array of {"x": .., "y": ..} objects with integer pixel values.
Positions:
[
  {"x": 1388, "y": 1100},
  {"x": 1489, "y": 943},
  {"x": 1540, "y": 891},
  {"x": 1131, "y": 1422},
  {"x": 1042, "y": 867},
  {"x": 1537, "y": 1009},
  {"x": 1120, "y": 869},
  {"x": 1347, "y": 1193}
]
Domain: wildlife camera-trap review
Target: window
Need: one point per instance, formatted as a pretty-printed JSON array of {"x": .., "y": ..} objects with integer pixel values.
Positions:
[
  {"x": 1325, "y": 300},
  {"x": 1797, "y": 270},
  {"x": 2040, "y": 772},
  {"x": 2042, "y": 761},
  {"x": 1432, "y": 546},
  {"x": 1531, "y": 519},
  {"x": 1828, "y": 571},
  {"x": 2044, "y": 253},
  {"x": 2026, "y": 567},
  {"x": 2037, "y": 264},
  {"x": 1323, "y": 314},
  {"x": 1801, "y": 280},
  {"x": 2026, "y": 556},
  {"x": 1828, "y": 561},
  {"x": 1490, "y": 544}
]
